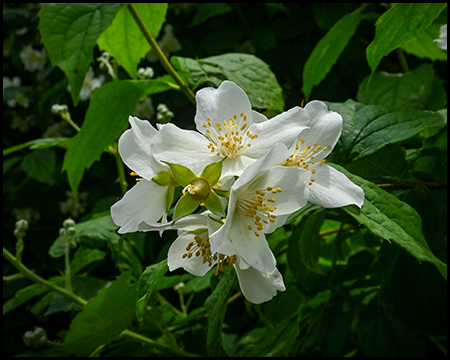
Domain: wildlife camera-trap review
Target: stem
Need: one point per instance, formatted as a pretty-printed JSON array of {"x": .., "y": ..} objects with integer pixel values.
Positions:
[
  {"x": 160, "y": 55},
  {"x": 37, "y": 279},
  {"x": 67, "y": 273},
  {"x": 52, "y": 287},
  {"x": 402, "y": 59},
  {"x": 120, "y": 169}
]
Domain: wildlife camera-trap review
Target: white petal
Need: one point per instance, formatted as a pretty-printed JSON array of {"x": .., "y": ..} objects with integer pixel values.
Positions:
[
  {"x": 146, "y": 201},
  {"x": 291, "y": 180},
  {"x": 193, "y": 265},
  {"x": 281, "y": 128},
  {"x": 332, "y": 188},
  {"x": 274, "y": 156},
  {"x": 188, "y": 223},
  {"x": 235, "y": 166},
  {"x": 259, "y": 287},
  {"x": 221, "y": 104},
  {"x": 184, "y": 147},
  {"x": 253, "y": 249},
  {"x": 135, "y": 148},
  {"x": 325, "y": 127}
]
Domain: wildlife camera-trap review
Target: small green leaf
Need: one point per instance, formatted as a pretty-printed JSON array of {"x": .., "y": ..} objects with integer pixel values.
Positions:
[
  {"x": 393, "y": 220},
  {"x": 398, "y": 26},
  {"x": 69, "y": 32},
  {"x": 124, "y": 40},
  {"x": 216, "y": 306},
  {"x": 146, "y": 285},
  {"x": 185, "y": 206},
  {"x": 329, "y": 48},
  {"x": 41, "y": 165},
  {"x": 181, "y": 174},
  {"x": 103, "y": 318},
  {"x": 213, "y": 203},
  {"x": 212, "y": 172}
]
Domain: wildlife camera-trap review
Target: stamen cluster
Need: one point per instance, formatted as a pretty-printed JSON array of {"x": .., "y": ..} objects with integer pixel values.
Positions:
[{"x": 231, "y": 139}]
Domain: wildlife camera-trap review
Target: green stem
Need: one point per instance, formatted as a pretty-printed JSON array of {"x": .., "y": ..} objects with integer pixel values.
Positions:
[
  {"x": 160, "y": 55},
  {"x": 67, "y": 272},
  {"x": 402, "y": 59},
  {"x": 120, "y": 169},
  {"x": 37, "y": 279},
  {"x": 52, "y": 287}
]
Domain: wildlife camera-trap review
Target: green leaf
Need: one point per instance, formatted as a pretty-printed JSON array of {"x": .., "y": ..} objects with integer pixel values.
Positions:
[
  {"x": 216, "y": 306},
  {"x": 212, "y": 172},
  {"x": 250, "y": 73},
  {"x": 412, "y": 90},
  {"x": 309, "y": 241},
  {"x": 382, "y": 336},
  {"x": 398, "y": 26},
  {"x": 41, "y": 166},
  {"x": 424, "y": 46},
  {"x": 106, "y": 119},
  {"x": 185, "y": 206},
  {"x": 124, "y": 40},
  {"x": 368, "y": 128},
  {"x": 181, "y": 174},
  {"x": 103, "y": 318},
  {"x": 69, "y": 32},
  {"x": 146, "y": 285},
  {"x": 329, "y": 48},
  {"x": 208, "y": 10},
  {"x": 392, "y": 219}
]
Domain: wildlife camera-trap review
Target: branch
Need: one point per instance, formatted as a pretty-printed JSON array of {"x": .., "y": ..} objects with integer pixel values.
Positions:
[{"x": 160, "y": 55}]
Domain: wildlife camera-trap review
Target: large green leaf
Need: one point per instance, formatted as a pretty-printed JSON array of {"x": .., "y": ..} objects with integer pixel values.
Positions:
[
  {"x": 392, "y": 219},
  {"x": 216, "y": 306},
  {"x": 368, "y": 128},
  {"x": 106, "y": 119},
  {"x": 417, "y": 89},
  {"x": 328, "y": 50},
  {"x": 398, "y": 26},
  {"x": 250, "y": 73},
  {"x": 69, "y": 32},
  {"x": 103, "y": 318},
  {"x": 124, "y": 40}
]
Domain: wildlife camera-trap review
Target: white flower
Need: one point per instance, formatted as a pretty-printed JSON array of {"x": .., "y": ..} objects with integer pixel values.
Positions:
[
  {"x": 146, "y": 201},
  {"x": 90, "y": 84},
  {"x": 442, "y": 41},
  {"x": 192, "y": 252},
  {"x": 33, "y": 59},
  {"x": 228, "y": 128},
  {"x": 328, "y": 187},
  {"x": 260, "y": 201}
]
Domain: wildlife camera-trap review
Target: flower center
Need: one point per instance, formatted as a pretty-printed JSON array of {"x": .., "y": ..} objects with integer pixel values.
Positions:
[
  {"x": 258, "y": 207},
  {"x": 230, "y": 138},
  {"x": 304, "y": 156},
  {"x": 201, "y": 247},
  {"x": 199, "y": 189}
]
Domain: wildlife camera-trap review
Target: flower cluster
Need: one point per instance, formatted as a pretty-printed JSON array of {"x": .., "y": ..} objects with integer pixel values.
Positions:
[{"x": 241, "y": 175}]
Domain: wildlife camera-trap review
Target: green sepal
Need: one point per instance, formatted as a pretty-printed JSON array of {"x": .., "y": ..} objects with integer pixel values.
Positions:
[
  {"x": 213, "y": 203},
  {"x": 212, "y": 172},
  {"x": 185, "y": 206},
  {"x": 164, "y": 178},
  {"x": 181, "y": 174}
]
